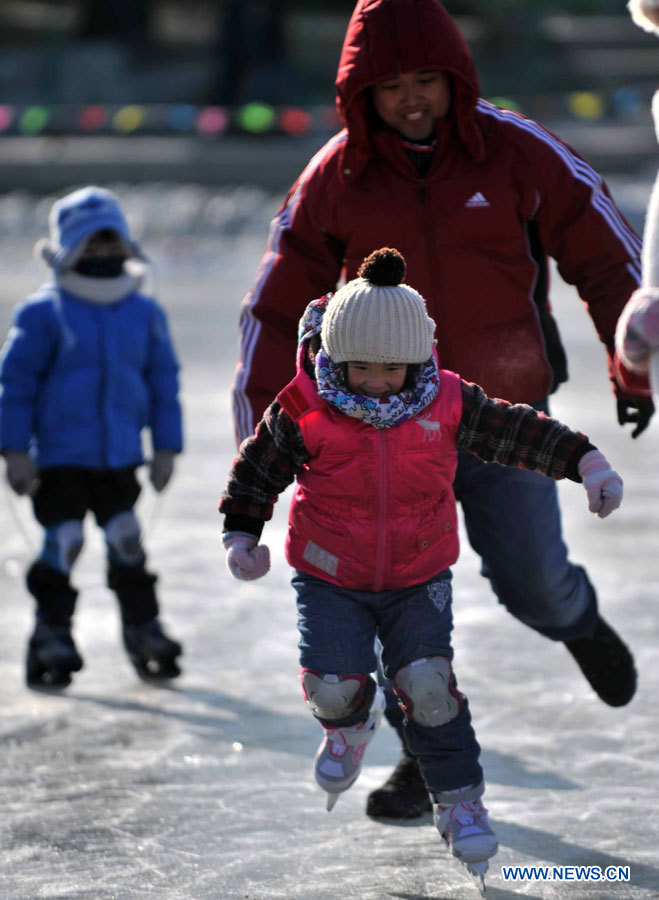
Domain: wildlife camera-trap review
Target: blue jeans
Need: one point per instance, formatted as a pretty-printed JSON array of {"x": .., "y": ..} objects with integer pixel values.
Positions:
[
  {"x": 513, "y": 522},
  {"x": 338, "y": 627}
]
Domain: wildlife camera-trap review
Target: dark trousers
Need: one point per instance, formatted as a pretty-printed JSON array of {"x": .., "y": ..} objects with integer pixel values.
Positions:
[{"x": 66, "y": 494}]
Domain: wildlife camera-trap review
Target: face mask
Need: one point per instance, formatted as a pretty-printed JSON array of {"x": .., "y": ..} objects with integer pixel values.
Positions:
[{"x": 101, "y": 266}]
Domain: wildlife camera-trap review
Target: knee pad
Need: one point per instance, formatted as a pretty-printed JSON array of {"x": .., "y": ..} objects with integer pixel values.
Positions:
[
  {"x": 341, "y": 700},
  {"x": 123, "y": 539},
  {"x": 62, "y": 545},
  {"x": 427, "y": 692}
]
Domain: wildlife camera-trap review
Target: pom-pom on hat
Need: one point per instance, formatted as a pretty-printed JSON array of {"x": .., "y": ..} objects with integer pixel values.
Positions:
[
  {"x": 75, "y": 217},
  {"x": 377, "y": 318}
]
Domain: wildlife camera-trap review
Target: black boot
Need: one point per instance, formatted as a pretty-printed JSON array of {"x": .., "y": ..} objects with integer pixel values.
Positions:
[
  {"x": 606, "y": 663},
  {"x": 51, "y": 657},
  {"x": 404, "y": 794},
  {"x": 51, "y": 653},
  {"x": 151, "y": 651}
]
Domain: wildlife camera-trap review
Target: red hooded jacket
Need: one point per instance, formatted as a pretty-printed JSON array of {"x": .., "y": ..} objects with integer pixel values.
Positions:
[{"x": 501, "y": 196}]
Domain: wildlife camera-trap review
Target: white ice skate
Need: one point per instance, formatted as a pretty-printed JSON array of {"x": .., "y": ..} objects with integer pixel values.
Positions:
[
  {"x": 466, "y": 831},
  {"x": 340, "y": 756}
]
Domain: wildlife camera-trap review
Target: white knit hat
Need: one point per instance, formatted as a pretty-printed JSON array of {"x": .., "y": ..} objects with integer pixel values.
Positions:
[{"x": 375, "y": 318}]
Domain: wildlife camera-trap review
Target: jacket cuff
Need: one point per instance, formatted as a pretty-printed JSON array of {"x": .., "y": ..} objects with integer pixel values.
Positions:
[
  {"x": 627, "y": 382},
  {"x": 572, "y": 468},
  {"x": 245, "y": 524}
]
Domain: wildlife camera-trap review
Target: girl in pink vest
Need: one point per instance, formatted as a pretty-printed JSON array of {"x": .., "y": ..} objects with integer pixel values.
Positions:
[{"x": 369, "y": 428}]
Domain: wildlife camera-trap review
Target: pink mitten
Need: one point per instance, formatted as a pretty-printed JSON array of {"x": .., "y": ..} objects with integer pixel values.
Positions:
[
  {"x": 247, "y": 560},
  {"x": 637, "y": 332},
  {"x": 603, "y": 485}
]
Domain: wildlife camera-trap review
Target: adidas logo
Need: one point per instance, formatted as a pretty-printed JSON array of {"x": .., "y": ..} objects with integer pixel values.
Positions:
[{"x": 477, "y": 200}]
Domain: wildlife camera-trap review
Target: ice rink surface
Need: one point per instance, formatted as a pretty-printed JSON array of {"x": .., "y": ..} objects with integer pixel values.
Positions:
[{"x": 117, "y": 790}]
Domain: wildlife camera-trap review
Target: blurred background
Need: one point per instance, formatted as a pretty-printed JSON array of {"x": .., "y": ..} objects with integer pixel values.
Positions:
[
  {"x": 227, "y": 92},
  {"x": 200, "y": 113}
]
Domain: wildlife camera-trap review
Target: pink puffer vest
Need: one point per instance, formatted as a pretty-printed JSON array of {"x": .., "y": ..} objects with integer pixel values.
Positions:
[{"x": 373, "y": 509}]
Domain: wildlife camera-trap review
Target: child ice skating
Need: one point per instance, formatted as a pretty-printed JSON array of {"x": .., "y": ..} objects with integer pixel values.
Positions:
[
  {"x": 369, "y": 427},
  {"x": 87, "y": 365}
]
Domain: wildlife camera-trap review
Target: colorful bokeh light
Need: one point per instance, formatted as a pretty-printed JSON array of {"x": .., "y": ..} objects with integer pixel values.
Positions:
[
  {"x": 295, "y": 121},
  {"x": 212, "y": 120},
  {"x": 256, "y": 117},
  {"x": 33, "y": 120}
]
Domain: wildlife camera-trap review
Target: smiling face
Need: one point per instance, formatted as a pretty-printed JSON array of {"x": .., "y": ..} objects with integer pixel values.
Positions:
[
  {"x": 412, "y": 101},
  {"x": 375, "y": 379}
]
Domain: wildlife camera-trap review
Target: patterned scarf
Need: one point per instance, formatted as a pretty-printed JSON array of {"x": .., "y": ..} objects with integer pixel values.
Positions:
[{"x": 380, "y": 412}]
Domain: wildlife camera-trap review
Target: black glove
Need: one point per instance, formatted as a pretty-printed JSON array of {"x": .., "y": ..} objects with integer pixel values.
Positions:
[{"x": 639, "y": 412}]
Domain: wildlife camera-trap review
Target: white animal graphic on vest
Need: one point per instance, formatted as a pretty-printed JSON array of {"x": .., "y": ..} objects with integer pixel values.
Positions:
[{"x": 431, "y": 429}]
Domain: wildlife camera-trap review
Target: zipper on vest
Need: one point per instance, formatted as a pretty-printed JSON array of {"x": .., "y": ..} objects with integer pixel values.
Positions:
[
  {"x": 381, "y": 537},
  {"x": 421, "y": 191}
]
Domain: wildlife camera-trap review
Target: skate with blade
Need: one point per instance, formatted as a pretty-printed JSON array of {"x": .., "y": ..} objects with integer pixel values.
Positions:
[
  {"x": 340, "y": 757},
  {"x": 51, "y": 657},
  {"x": 151, "y": 651},
  {"x": 465, "y": 830}
]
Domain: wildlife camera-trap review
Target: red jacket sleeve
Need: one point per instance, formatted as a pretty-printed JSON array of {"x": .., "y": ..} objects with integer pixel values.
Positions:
[
  {"x": 580, "y": 226},
  {"x": 302, "y": 261}
]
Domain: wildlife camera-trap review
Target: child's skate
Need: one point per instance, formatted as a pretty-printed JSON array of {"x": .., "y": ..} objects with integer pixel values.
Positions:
[
  {"x": 51, "y": 657},
  {"x": 466, "y": 831},
  {"x": 151, "y": 651},
  {"x": 340, "y": 756}
]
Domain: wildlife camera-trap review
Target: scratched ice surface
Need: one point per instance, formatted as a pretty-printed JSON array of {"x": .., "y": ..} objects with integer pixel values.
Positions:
[{"x": 115, "y": 790}]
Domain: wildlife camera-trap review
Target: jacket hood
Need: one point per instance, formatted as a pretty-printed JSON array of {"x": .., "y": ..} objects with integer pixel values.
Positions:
[
  {"x": 387, "y": 37},
  {"x": 74, "y": 218}
]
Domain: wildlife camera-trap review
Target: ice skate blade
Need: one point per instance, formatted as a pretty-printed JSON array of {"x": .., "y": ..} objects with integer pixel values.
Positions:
[
  {"x": 477, "y": 871},
  {"x": 47, "y": 687},
  {"x": 331, "y": 801},
  {"x": 153, "y": 671}
]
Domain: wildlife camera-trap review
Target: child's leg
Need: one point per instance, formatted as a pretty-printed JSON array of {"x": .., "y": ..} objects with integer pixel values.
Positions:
[
  {"x": 415, "y": 629},
  {"x": 152, "y": 652},
  {"x": 404, "y": 794},
  {"x": 336, "y": 653},
  {"x": 59, "y": 506}
]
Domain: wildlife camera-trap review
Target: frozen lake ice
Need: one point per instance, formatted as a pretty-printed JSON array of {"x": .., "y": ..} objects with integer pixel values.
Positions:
[{"x": 118, "y": 790}]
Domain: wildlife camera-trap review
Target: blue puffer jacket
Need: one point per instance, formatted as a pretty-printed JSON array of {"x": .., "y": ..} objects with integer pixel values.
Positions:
[{"x": 80, "y": 380}]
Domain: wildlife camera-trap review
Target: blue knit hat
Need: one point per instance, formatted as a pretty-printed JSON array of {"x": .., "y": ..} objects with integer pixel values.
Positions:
[{"x": 75, "y": 218}]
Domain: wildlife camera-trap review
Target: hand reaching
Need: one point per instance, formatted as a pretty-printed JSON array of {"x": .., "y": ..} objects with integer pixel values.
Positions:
[
  {"x": 602, "y": 484},
  {"x": 247, "y": 560},
  {"x": 638, "y": 412}
]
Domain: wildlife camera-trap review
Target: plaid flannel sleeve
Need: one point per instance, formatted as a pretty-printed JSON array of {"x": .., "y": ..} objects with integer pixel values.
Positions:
[
  {"x": 518, "y": 435},
  {"x": 266, "y": 465}
]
